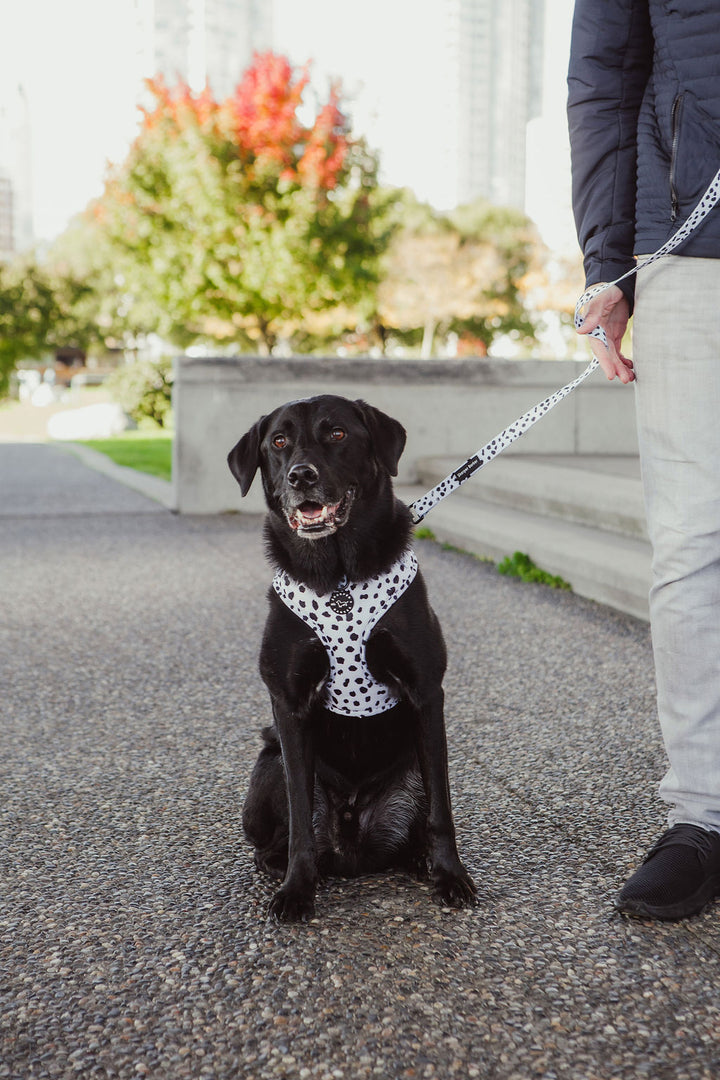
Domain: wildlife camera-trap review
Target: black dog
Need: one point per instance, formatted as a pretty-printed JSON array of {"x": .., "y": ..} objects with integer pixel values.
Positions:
[{"x": 353, "y": 776}]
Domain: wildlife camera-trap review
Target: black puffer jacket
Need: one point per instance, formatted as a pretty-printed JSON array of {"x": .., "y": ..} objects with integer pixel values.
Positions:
[{"x": 644, "y": 114}]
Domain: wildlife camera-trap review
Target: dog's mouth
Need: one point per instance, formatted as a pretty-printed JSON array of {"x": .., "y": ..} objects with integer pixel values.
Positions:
[{"x": 313, "y": 519}]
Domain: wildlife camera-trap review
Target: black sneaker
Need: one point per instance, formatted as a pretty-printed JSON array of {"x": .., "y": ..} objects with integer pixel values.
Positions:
[{"x": 679, "y": 876}]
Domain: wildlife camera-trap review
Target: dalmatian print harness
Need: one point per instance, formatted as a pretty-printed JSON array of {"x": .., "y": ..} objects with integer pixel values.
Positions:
[
  {"x": 343, "y": 620},
  {"x": 421, "y": 507}
]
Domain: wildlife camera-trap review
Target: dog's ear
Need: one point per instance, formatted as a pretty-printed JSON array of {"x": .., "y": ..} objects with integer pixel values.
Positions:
[
  {"x": 388, "y": 435},
  {"x": 244, "y": 458}
]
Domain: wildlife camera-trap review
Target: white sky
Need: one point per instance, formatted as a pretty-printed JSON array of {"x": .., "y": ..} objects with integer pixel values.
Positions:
[
  {"x": 383, "y": 52},
  {"x": 72, "y": 58},
  {"x": 76, "y": 60}
]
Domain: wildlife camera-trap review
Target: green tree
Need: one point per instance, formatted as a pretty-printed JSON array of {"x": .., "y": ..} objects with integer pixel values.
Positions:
[
  {"x": 463, "y": 271},
  {"x": 38, "y": 314},
  {"x": 237, "y": 219},
  {"x": 115, "y": 315}
]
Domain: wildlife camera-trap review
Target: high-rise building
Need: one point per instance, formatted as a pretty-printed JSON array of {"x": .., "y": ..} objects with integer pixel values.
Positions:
[
  {"x": 16, "y": 218},
  {"x": 202, "y": 41},
  {"x": 548, "y": 199},
  {"x": 443, "y": 90},
  {"x": 489, "y": 80},
  {"x": 7, "y": 240}
]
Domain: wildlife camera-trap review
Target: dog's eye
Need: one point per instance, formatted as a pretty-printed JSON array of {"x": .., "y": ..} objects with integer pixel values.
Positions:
[
  {"x": 279, "y": 442},
  {"x": 337, "y": 434}
]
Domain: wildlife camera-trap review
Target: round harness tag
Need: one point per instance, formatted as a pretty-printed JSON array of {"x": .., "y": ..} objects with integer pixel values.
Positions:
[{"x": 341, "y": 601}]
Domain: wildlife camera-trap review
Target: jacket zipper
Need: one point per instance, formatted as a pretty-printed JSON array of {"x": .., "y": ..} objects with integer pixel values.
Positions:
[{"x": 676, "y": 113}]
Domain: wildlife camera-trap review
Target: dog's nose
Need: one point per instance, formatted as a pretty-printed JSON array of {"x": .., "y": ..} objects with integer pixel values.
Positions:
[{"x": 302, "y": 475}]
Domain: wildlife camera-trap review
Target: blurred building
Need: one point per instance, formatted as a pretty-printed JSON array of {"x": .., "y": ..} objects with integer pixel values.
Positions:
[
  {"x": 548, "y": 195},
  {"x": 443, "y": 90},
  {"x": 490, "y": 83},
  {"x": 16, "y": 219},
  {"x": 7, "y": 241},
  {"x": 201, "y": 41}
]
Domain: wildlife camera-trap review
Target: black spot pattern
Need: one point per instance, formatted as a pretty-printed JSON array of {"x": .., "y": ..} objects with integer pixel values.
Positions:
[
  {"x": 421, "y": 507},
  {"x": 351, "y": 690}
]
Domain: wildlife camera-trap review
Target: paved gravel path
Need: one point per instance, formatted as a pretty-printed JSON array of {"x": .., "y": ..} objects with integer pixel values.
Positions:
[{"x": 133, "y": 938}]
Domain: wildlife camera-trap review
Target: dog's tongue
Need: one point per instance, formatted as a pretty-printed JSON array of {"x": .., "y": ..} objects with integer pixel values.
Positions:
[{"x": 312, "y": 510}]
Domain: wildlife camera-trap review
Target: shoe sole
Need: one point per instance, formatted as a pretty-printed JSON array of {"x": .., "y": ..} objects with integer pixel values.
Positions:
[{"x": 683, "y": 909}]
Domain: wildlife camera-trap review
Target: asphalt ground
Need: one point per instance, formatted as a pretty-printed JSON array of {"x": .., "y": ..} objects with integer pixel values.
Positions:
[{"x": 133, "y": 932}]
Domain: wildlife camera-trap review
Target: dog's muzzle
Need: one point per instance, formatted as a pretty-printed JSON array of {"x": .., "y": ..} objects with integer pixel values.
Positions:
[{"x": 313, "y": 520}]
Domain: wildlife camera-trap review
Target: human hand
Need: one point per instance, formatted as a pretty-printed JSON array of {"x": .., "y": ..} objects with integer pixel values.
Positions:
[{"x": 611, "y": 311}]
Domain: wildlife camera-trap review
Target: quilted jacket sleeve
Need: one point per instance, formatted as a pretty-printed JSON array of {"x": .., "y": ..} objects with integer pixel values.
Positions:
[{"x": 610, "y": 61}]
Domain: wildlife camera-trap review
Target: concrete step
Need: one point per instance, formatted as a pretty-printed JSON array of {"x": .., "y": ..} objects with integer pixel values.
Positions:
[
  {"x": 599, "y": 491},
  {"x": 609, "y": 566}
]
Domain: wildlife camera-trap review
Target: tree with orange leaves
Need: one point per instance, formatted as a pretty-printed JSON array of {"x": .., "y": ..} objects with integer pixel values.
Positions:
[{"x": 238, "y": 218}]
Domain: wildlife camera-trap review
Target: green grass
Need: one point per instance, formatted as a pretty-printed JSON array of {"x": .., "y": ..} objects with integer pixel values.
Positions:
[
  {"x": 521, "y": 566},
  {"x": 146, "y": 451}
]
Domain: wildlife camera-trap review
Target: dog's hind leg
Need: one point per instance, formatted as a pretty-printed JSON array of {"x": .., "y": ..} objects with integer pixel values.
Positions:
[
  {"x": 265, "y": 813},
  {"x": 393, "y": 830}
]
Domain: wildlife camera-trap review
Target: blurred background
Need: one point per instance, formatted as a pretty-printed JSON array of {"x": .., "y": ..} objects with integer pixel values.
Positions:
[{"x": 375, "y": 177}]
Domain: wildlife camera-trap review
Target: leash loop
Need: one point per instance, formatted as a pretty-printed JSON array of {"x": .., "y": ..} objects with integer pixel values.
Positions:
[
  {"x": 703, "y": 208},
  {"x": 422, "y": 506}
]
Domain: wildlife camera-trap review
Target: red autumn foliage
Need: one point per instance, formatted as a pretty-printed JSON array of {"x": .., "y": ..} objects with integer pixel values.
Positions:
[
  {"x": 263, "y": 109},
  {"x": 326, "y": 146},
  {"x": 260, "y": 118},
  {"x": 179, "y": 106}
]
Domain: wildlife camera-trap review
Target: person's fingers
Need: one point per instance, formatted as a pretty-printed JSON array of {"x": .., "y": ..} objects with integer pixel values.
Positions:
[{"x": 613, "y": 364}]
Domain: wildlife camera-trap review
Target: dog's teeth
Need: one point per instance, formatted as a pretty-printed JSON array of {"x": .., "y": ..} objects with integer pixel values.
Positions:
[{"x": 316, "y": 517}]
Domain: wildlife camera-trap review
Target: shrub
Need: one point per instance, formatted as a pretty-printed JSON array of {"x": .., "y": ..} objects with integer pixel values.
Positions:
[{"x": 144, "y": 390}]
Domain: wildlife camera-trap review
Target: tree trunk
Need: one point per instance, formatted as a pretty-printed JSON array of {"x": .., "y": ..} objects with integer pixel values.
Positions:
[
  {"x": 428, "y": 337},
  {"x": 268, "y": 338}
]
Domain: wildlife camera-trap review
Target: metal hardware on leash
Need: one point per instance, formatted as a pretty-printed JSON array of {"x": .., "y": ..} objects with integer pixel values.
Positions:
[{"x": 422, "y": 506}]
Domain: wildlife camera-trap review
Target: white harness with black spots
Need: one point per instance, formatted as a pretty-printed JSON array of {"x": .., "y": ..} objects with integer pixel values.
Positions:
[{"x": 344, "y": 620}]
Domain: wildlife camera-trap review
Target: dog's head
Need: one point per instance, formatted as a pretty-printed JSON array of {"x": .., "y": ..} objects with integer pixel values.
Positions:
[{"x": 318, "y": 458}]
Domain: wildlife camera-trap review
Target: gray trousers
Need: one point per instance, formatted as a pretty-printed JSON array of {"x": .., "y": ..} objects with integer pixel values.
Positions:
[{"x": 676, "y": 351}]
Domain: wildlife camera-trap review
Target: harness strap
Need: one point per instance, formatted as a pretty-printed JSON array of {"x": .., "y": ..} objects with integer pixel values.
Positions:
[
  {"x": 344, "y": 620},
  {"x": 422, "y": 506}
]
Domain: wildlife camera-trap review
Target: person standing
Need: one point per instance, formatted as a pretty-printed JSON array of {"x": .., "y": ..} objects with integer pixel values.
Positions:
[{"x": 644, "y": 120}]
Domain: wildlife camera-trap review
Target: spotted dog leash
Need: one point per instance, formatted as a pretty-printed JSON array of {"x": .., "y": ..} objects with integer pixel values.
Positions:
[{"x": 422, "y": 506}]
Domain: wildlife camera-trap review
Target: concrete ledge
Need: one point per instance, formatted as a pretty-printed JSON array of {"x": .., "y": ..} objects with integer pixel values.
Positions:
[
  {"x": 600, "y": 492},
  {"x": 448, "y": 407},
  {"x": 602, "y": 566}
]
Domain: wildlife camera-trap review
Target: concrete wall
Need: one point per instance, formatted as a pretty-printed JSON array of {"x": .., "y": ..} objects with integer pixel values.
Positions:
[{"x": 448, "y": 407}]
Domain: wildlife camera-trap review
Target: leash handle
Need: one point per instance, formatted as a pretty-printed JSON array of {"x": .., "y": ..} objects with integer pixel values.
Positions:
[
  {"x": 421, "y": 507},
  {"x": 703, "y": 208}
]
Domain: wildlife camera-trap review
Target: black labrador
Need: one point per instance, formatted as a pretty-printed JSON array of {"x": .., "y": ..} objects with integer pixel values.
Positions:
[{"x": 353, "y": 778}]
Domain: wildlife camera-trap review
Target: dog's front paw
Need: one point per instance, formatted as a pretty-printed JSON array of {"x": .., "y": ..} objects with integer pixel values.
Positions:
[
  {"x": 453, "y": 888},
  {"x": 291, "y": 905}
]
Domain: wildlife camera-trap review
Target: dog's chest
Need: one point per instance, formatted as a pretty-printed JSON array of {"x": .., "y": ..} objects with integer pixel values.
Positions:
[{"x": 344, "y": 620}]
